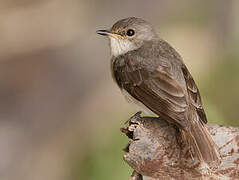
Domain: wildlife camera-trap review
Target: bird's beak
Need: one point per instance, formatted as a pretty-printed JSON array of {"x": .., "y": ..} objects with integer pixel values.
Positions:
[
  {"x": 103, "y": 32},
  {"x": 108, "y": 33}
]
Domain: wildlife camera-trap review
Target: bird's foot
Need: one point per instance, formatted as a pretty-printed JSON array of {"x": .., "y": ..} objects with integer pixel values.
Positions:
[{"x": 134, "y": 117}]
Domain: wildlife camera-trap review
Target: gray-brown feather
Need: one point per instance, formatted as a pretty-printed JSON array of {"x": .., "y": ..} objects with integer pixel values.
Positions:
[
  {"x": 156, "y": 78},
  {"x": 151, "y": 72}
]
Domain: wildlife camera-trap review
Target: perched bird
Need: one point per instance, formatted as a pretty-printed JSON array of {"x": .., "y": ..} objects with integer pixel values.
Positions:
[{"x": 152, "y": 75}]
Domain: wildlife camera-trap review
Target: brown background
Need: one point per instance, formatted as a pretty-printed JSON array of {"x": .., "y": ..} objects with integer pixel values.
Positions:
[{"x": 60, "y": 112}]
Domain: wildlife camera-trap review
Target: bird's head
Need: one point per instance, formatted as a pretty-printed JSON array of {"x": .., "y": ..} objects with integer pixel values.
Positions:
[{"x": 128, "y": 34}]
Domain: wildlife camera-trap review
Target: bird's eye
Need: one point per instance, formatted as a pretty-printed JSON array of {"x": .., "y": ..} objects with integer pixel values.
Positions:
[{"x": 130, "y": 32}]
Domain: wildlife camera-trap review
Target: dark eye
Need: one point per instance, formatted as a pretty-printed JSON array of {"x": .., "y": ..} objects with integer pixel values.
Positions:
[{"x": 130, "y": 32}]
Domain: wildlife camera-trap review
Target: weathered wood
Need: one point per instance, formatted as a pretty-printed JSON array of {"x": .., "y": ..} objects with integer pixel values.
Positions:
[{"x": 156, "y": 151}]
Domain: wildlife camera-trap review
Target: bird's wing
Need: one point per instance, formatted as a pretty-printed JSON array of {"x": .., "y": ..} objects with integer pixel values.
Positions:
[
  {"x": 166, "y": 87},
  {"x": 193, "y": 93},
  {"x": 153, "y": 83}
]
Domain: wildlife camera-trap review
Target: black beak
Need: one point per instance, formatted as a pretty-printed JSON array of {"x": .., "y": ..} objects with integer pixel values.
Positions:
[{"x": 103, "y": 32}]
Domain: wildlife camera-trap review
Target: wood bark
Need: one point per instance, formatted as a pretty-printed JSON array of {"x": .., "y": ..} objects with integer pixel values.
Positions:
[{"x": 156, "y": 151}]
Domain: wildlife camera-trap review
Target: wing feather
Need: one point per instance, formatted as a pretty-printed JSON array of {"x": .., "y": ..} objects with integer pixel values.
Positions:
[
  {"x": 163, "y": 84},
  {"x": 194, "y": 94},
  {"x": 157, "y": 89}
]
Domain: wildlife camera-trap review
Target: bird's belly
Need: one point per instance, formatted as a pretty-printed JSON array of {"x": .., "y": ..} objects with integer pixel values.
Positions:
[{"x": 136, "y": 104}]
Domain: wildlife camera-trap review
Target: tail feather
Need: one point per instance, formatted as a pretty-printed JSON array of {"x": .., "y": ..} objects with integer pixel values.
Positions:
[{"x": 205, "y": 149}]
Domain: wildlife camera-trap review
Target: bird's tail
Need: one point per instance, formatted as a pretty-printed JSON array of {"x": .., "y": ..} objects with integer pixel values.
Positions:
[{"x": 204, "y": 148}]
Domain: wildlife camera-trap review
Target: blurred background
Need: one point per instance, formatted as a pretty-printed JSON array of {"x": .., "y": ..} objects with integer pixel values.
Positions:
[{"x": 60, "y": 112}]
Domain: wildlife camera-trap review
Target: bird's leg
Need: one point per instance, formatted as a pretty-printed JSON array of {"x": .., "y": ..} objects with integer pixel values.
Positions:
[
  {"x": 135, "y": 117},
  {"x": 136, "y": 176}
]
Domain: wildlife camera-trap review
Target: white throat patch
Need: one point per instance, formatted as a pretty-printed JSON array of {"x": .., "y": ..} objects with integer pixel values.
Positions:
[{"x": 121, "y": 46}]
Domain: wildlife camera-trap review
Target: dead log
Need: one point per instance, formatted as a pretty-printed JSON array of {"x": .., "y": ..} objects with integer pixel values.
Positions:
[{"x": 155, "y": 151}]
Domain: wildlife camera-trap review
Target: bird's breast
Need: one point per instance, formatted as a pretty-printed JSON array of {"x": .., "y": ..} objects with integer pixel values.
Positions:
[{"x": 116, "y": 65}]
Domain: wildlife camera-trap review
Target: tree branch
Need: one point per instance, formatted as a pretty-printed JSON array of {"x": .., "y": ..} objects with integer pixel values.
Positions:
[{"x": 156, "y": 151}]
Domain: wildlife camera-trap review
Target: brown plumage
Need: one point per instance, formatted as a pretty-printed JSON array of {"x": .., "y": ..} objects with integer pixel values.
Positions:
[{"x": 153, "y": 73}]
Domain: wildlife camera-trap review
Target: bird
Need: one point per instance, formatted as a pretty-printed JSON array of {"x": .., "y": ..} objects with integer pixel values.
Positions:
[{"x": 153, "y": 77}]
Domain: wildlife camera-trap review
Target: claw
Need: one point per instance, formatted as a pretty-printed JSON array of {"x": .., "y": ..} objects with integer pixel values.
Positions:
[{"x": 135, "y": 116}]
